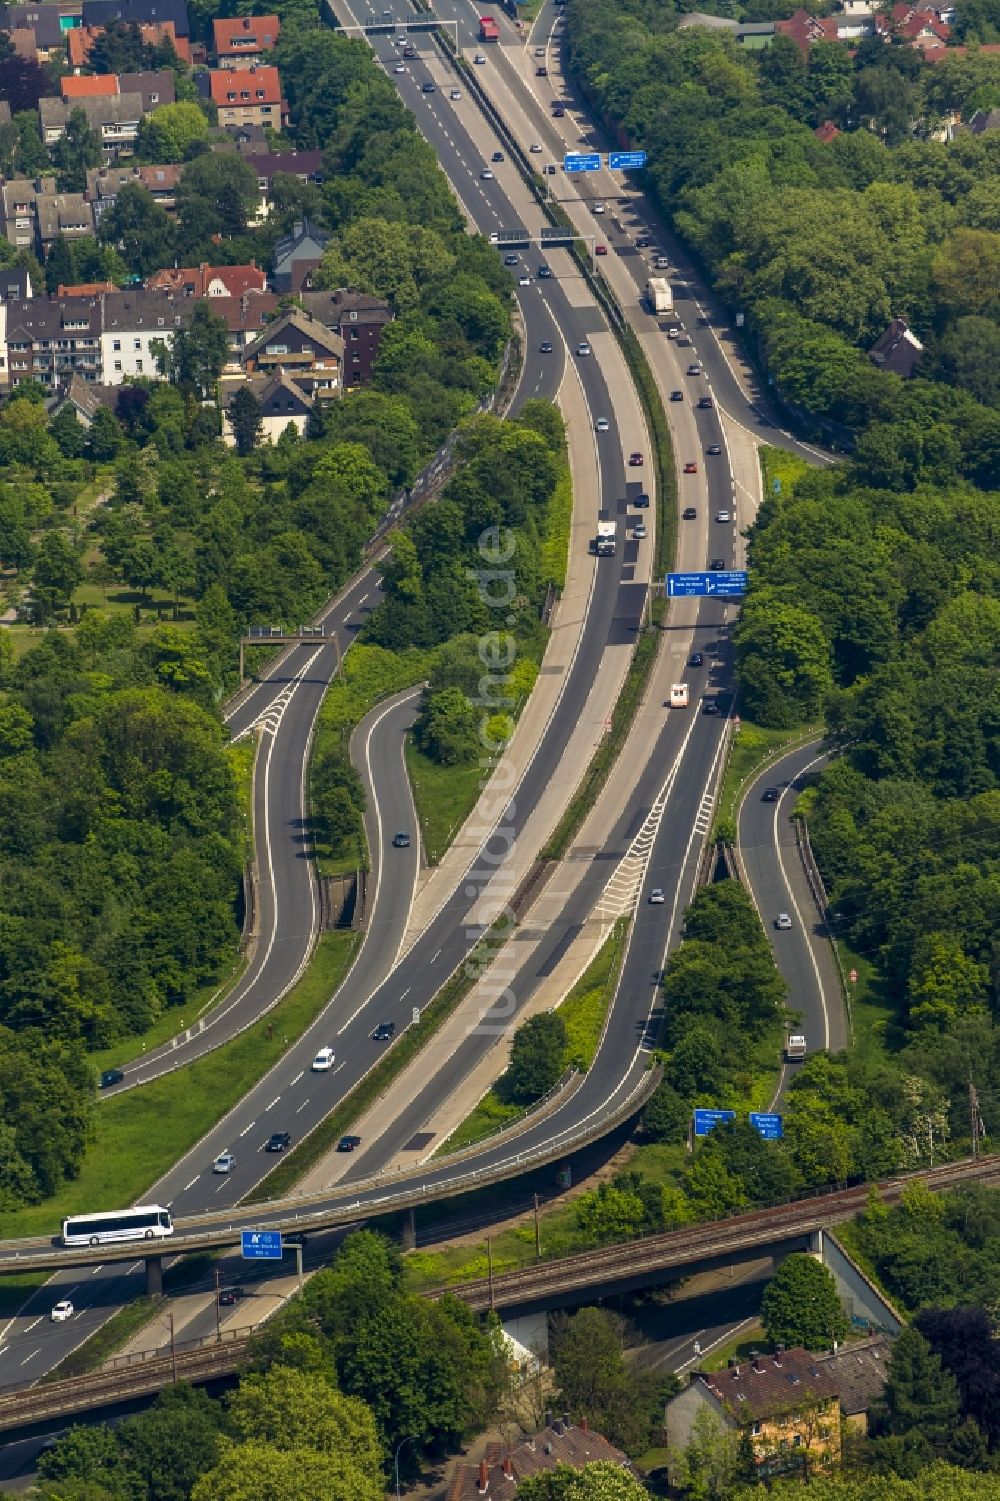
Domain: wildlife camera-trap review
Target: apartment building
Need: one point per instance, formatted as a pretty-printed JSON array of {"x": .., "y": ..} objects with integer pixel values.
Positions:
[
  {"x": 132, "y": 322},
  {"x": 105, "y": 183},
  {"x": 241, "y": 40},
  {"x": 34, "y": 214},
  {"x": 359, "y": 319},
  {"x": 52, "y": 339},
  {"x": 115, "y": 117},
  {"x": 246, "y": 96},
  {"x": 209, "y": 281}
]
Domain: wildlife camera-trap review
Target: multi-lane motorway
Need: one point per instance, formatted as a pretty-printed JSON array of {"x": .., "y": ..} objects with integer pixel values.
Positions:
[{"x": 557, "y": 311}]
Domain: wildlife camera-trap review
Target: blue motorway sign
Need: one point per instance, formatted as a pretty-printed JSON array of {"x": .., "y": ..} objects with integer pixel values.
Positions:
[
  {"x": 626, "y": 161},
  {"x": 769, "y": 1126},
  {"x": 707, "y": 1120},
  {"x": 582, "y": 161},
  {"x": 260, "y": 1245},
  {"x": 728, "y": 583}
]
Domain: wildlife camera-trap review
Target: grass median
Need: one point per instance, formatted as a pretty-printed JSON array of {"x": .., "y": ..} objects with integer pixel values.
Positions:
[{"x": 142, "y": 1133}]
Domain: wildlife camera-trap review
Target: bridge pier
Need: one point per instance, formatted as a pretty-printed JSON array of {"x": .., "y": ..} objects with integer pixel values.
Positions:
[
  {"x": 154, "y": 1276},
  {"x": 816, "y": 1244}
]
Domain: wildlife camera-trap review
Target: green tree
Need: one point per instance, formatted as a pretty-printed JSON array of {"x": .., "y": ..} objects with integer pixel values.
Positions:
[
  {"x": 783, "y": 661},
  {"x": 217, "y": 195},
  {"x": 600, "y": 1481},
  {"x": 920, "y": 1395},
  {"x": 968, "y": 355},
  {"x": 295, "y": 1409},
  {"x": 609, "y": 1214},
  {"x": 105, "y": 438},
  {"x": 537, "y": 1054},
  {"x": 196, "y": 354},
  {"x": 801, "y": 1306},
  {"x": 69, "y": 432},
  {"x": 59, "y": 267},
  {"x": 171, "y": 132},
  {"x": 667, "y": 1116},
  {"x": 595, "y": 1381},
  {"x": 244, "y": 412},
  {"x": 446, "y": 729},
  {"x": 712, "y": 1462},
  {"x": 77, "y": 150},
  {"x": 257, "y": 1471},
  {"x": 141, "y": 229},
  {"x": 171, "y": 1445},
  {"x": 966, "y": 272},
  {"x": 58, "y": 571}
]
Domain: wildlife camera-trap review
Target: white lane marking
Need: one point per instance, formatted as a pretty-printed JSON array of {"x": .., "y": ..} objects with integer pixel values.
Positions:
[
  {"x": 302, "y": 1107},
  {"x": 191, "y": 1184},
  {"x": 298, "y": 1076},
  {"x": 405, "y": 993},
  {"x": 248, "y": 1128},
  {"x": 95, "y": 1269},
  {"x": 435, "y": 957},
  {"x": 715, "y": 1343},
  {"x": 34, "y": 1324},
  {"x": 272, "y": 1104},
  {"x": 31, "y": 1356},
  {"x": 795, "y": 906}
]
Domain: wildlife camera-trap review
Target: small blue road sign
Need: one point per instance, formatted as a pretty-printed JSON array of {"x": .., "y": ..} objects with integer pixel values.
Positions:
[
  {"x": 582, "y": 161},
  {"x": 260, "y": 1245},
  {"x": 769, "y": 1126},
  {"x": 707, "y": 1120},
  {"x": 626, "y": 161},
  {"x": 725, "y": 584}
]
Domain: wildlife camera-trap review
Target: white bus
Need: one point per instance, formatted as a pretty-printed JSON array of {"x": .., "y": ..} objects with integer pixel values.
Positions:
[{"x": 145, "y": 1222}]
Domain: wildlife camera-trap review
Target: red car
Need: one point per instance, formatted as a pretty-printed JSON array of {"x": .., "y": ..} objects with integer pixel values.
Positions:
[
  {"x": 600, "y": 249},
  {"x": 690, "y": 468},
  {"x": 635, "y": 460}
]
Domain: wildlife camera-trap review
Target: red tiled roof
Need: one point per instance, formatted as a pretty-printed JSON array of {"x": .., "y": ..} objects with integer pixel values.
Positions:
[
  {"x": 234, "y": 35},
  {"x": 80, "y": 39},
  {"x": 87, "y": 289},
  {"x": 235, "y": 87},
  {"x": 770, "y": 1385},
  {"x": 195, "y": 280},
  {"x": 563, "y": 1443},
  {"x": 91, "y": 86},
  {"x": 246, "y": 314},
  {"x": 805, "y": 28},
  {"x": 826, "y": 132}
]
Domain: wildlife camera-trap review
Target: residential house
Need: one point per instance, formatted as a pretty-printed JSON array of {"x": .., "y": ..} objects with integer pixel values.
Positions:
[
  {"x": 105, "y": 183},
  {"x": 246, "y": 96},
  {"x": 360, "y": 319},
  {"x": 244, "y": 317},
  {"x": 34, "y": 214},
  {"x": 43, "y": 24},
  {"x": 501, "y": 1471},
  {"x": 153, "y": 88},
  {"x": 132, "y": 322},
  {"x": 304, "y": 166},
  {"x": 805, "y": 28},
  {"x": 980, "y": 122},
  {"x": 139, "y": 13},
  {"x": 300, "y": 346},
  {"x": 786, "y": 1406},
  {"x": 297, "y": 255},
  {"x": 826, "y": 132},
  {"x": 920, "y": 26},
  {"x": 115, "y": 117},
  {"x": 86, "y": 289},
  {"x": 85, "y": 399},
  {"x": 859, "y": 1372},
  {"x": 51, "y": 339},
  {"x": 15, "y": 287},
  {"x": 897, "y": 349},
  {"x": 80, "y": 40},
  {"x": 282, "y": 401},
  {"x": 209, "y": 281},
  {"x": 240, "y": 40},
  {"x": 88, "y": 86}
]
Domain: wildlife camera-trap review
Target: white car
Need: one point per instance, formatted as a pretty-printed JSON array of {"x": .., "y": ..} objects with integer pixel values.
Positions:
[
  {"x": 539, "y": 51},
  {"x": 535, "y": 148},
  {"x": 323, "y": 1062},
  {"x": 455, "y": 94},
  {"x": 583, "y": 350},
  {"x": 639, "y": 532},
  {"x": 524, "y": 280},
  {"x": 598, "y": 208},
  {"x": 602, "y": 425},
  {"x": 656, "y": 897},
  {"x": 673, "y": 333},
  {"x": 479, "y": 59},
  {"x": 486, "y": 175},
  {"x": 782, "y": 922},
  {"x": 723, "y": 516},
  {"x": 494, "y": 237},
  {"x": 62, "y": 1311},
  {"x": 399, "y": 68},
  {"x": 224, "y": 1163}
]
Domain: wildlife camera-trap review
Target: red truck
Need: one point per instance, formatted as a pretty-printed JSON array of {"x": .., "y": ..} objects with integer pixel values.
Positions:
[{"x": 489, "y": 31}]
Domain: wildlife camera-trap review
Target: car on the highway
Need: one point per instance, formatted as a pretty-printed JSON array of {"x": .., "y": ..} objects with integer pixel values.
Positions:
[
  {"x": 524, "y": 280},
  {"x": 677, "y": 396},
  {"x": 479, "y": 59},
  {"x": 384, "y": 1032},
  {"x": 694, "y": 369},
  {"x": 635, "y": 460},
  {"x": 494, "y": 237},
  {"x": 486, "y": 175},
  {"x": 544, "y": 271},
  {"x": 61, "y": 1311},
  {"x": 690, "y": 467},
  {"x": 409, "y": 50},
  {"x": 705, "y": 402},
  {"x": 598, "y": 207},
  {"x": 545, "y": 347},
  {"x": 428, "y": 88},
  {"x": 600, "y": 249},
  {"x": 673, "y": 332},
  {"x": 717, "y": 565},
  {"x": 558, "y": 111},
  {"x": 323, "y": 1062},
  {"x": 770, "y": 794},
  {"x": 689, "y": 514},
  {"x": 782, "y": 922},
  {"x": 541, "y": 71},
  {"x": 399, "y": 68},
  {"x": 224, "y": 1163},
  {"x": 401, "y": 841},
  {"x": 696, "y": 659},
  {"x": 723, "y": 516},
  {"x": 583, "y": 349},
  {"x": 539, "y": 51},
  {"x": 551, "y": 169},
  {"x": 230, "y": 1295},
  {"x": 710, "y": 706},
  {"x": 278, "y": 1141},
  {"x": 348, "y": 1143},
  {"x": 714, "y": 449},
  {"x": 642, "y": 241},
  {"x": 455, "y": 94},
  {"x": 512, "y": 259},
  {"x": 602, "y": 425},
  {"x": 535, "y": 148},
  {"x": 639, "y": 532},
  {"x": 111, "y": 1076},
  {"x": 497, "y": 156},
  {"x": 656, "y": 897}
]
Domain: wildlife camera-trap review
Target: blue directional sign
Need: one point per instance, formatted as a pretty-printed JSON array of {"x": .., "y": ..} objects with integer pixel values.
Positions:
[
  {"x": 769, "y": 1126},
  {"x": 726, "y": 584},
  {"x": 260, "y": 1245},
  {"x": 582, "y": 161},
  {"x": 626, "y": 161},
  {"x": 707, "y": 1120}
]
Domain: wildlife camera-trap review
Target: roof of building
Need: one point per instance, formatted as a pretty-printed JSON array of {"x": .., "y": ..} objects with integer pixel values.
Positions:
[
  {"x": 769, "y": 1385},
  {"x": 51, "y": 317},
  {"x": 560, "y": 1442},
  {"x": 87, "y": 397},
  {"x": 346, "y": 306},
  {"x": 237, "y": 35},
  {"x": 103, "y": 109},
  {"x": 15, "y": 284},
  {"x": 80, "y": 40},
  {"x": 63, "y": 214},
  {"x": 804, "y": 28},
  {"x": 138, "y": 310},
  {"x": 235, "y": 87},
  {"x": 982, "y": 120},
  {"x": 305, "y": 236},
  {"x": 715, "y": 23},
  {"x": 86, "y": 289},
  {"x": 859, "y": 1372},
  {"x": 156, "y": 86},
  {"x": 100, "y": 12},
  {"x": 826, "y": 132},
  {"x": 248, "y": 313},
  {"x": 42, "y": 20},
  {"x": 268, "y": 164},
  {"x": 194, "y": 281},
  {"x": 106, "y": 182},
  {"x": 897, "y": 349},
  {"x": 295, "y": 318},
  {"x": 88, "y": 85}
]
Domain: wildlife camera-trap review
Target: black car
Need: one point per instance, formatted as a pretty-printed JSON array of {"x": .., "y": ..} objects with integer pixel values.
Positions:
[
  {"x": 348, "y": 1143},
  {"x": 230, "y": 1295},
  {"x": 558, "y": 111},
  {"x": 705, "y": 402},
  {"x": 384, "y": 1032},
  {"x": 541, "y": 71},
  {"x": 111, "y": 1076},
  {"x": 545, "y": 347},
  {"x": 497, "y": 156},
  {"x": 641, "y": 501},
  {"x": 401, "y": 841},
  {"x": 642, "y": 241},
  {"x": 714, "y": 449},
  {"x": 710, "y": 706},
  {"x": 544, "y": 271},
  {"x": 677, "y": 396},
  {"x": 511, "y": 260},
  {"x": 427, "y": 88},
  {"x": 695, "y": 659},
  {"x": 279, "y": 1141},
  {"x": 689, "y": 514},
  {"x": 717, "y": 565},
  {"x": 770, "y": 794}
]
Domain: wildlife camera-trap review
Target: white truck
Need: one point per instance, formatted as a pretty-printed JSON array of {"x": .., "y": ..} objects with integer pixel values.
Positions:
[
  {"x": 658, "y": 295},
  {"x": 795, "y": 1047},
  {"x": 679, "y": 696},
  {"x": 604, "y": 543}
]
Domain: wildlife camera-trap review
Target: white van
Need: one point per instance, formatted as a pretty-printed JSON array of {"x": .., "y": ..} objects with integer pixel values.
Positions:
[
  {"x": 323, "y": 1061},
  {"x": 679, "y": 696}
]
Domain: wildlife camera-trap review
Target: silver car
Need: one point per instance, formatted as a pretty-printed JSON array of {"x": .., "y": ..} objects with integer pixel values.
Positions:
[{"x": 224, "y": 1163}]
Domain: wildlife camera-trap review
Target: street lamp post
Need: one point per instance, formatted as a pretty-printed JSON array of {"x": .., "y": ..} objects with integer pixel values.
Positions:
[{"x": 399, "y": 1449}]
